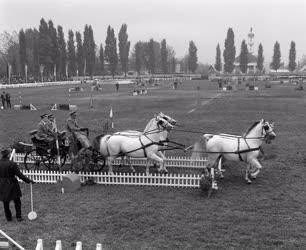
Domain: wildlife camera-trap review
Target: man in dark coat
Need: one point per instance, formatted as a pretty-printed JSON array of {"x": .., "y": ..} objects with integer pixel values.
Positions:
[
  {"x": 3, "y": 99},
  {"x": 8, "y": 100},
  {"x": 9, "y": 186}
]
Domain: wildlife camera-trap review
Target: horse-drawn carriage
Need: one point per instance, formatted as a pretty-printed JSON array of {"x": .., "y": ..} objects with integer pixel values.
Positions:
[
  {"x": 54, "y": 155},
  {"x": 151, "y": 142}
]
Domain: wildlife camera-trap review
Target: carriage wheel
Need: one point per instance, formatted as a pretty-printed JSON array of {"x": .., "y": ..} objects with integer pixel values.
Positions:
[
  {"x": 32, "y": 160},
  {"x": 97, "y": 164},
  {"x": 50, "y": 161}
]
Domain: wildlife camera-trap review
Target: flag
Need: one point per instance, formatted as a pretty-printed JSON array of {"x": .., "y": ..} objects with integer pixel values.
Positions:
[
  {"x": 26, "y": 72},
  {"x": 54, "y": 70},
  {"x": 111, "y": 113},
  {"x": 67, "y": 70},
  {"x": 111, "y": 117}
]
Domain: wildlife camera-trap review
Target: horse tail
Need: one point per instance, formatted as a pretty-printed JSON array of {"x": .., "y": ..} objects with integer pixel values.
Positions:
[{"x": 198, "y": 149}]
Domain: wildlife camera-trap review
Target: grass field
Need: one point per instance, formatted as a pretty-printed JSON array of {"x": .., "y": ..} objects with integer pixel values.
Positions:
[{"x": 269, "y": 214}]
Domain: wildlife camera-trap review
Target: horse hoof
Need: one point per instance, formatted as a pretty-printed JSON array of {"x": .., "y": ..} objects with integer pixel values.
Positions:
[{"x": 248, "y": 181}]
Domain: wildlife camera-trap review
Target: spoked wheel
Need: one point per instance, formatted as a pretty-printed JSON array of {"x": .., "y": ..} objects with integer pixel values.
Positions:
[
  {"x": 51, "y": 161},
  {"x": 97, "y": 163},
  {"x": 33, "y": 160},
  {"x": 206, "y": 183}
]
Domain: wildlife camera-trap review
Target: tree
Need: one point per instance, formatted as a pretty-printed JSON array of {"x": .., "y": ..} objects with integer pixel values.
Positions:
[
  {"x": 260, "y": 58},
  {"x": 22, "y": 51},
  {"x": 151, "y": 56},
  {"x": 138, "y": 57},
  {"x": 89, "y": 47},
  {"x": 111, "y": 50},
  {"x": 62, "y": 53},
  {"x": 243, "y": 58},
  {"x": 164, "y": 56},
  {"x": 276, "y": 60},
  {"x": 124, "y": 48},
  {"x": 71, "y": 59},
  {"x": 44, "y": 46},
  {"x": 218, "y": 65},
  {"x": 101, "y": 58},
  {"x": 79, "y": 53},
  {"x": 53, "y": 53},
  {"x": 192, "y": 57},
  {"x": 292, "y": 57},
  {"x": 229, "y": 52},
  {"x": 171, "y": 59}
]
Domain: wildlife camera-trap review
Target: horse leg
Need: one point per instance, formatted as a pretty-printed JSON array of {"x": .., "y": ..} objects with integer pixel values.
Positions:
[
  {"x": 257, "y": 164},
  {"x": 161, "y": 154},
  {"x": 128, "y": 159},
  {"x": 110, "y": 164},
  {"x": 247, "y": 173},
  {"x": 147, "y": 168},
  {"x": 220, "y": 170},
  {"x": 214, "y": 184},
  {"x": 160, "y": 160}
]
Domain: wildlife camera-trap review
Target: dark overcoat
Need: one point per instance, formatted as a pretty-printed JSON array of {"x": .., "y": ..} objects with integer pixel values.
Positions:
[{"x": 9, "y": 186}]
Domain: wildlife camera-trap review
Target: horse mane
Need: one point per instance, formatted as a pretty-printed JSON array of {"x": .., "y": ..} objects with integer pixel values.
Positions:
[
  {"x": 149, "y": 125},
  {"x": 250, "y": 128}
]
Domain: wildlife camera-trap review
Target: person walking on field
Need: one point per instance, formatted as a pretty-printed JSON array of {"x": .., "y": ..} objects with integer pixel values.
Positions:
[
  {"x": 9, "y": 186},
  {"x": 8, "y": 100},
  {"x": 3, "y": 99}
]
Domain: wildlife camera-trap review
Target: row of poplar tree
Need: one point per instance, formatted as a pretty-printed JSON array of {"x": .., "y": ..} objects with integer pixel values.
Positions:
[
  {"x": 229, "y": 54},
  {"x": 45, "y": 52}
]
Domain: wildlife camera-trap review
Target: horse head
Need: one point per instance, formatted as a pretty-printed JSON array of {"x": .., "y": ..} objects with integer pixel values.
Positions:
[
  {"x": 167, "y": 118},
  {"x": 268, "y": 131},
  {"x": 165, "y": 122}
]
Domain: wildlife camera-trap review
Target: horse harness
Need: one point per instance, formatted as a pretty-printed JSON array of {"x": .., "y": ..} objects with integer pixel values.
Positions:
[{"x": 239, "y": 152}]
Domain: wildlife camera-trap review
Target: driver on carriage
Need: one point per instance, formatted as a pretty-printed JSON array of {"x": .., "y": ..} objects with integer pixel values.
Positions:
[
  {"x": 76, "y": 133},
  {"x": 44, "y": 133}
]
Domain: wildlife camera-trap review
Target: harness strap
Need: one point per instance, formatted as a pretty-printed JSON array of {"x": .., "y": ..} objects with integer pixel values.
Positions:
[
  {"x": 238, "y": 150},
  {"x": 143, "y": 147}
]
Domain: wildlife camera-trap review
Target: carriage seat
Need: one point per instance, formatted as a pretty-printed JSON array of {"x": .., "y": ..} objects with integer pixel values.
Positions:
[{"x": 36, "y": 141}]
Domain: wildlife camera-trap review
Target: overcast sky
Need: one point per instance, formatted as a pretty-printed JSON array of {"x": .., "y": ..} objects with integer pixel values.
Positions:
[{"x": 178, "y": 21}]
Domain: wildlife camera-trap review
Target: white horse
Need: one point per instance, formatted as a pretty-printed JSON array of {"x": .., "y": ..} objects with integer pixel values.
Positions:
[
  {"x": 135, "y": 133},
  {"x": 136, "y": 144},
  {"x": 244, "y": 148}
]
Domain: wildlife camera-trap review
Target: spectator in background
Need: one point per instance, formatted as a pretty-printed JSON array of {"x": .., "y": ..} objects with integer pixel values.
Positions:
[
  {"x": 3, "y": 99},
  {"x": 8, "y": 100},
  {"x": 117, "y": 86}
]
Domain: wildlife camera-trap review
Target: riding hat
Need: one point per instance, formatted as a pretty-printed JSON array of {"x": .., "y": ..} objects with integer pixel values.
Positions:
[
  {"x": 73, "y": 112},
  {"x": 43, "y": 116}
]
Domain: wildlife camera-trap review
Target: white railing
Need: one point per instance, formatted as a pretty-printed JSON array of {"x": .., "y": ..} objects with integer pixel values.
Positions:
[
  {"x": 135, "y": 179},
  {"x": 171, "y": 161}
]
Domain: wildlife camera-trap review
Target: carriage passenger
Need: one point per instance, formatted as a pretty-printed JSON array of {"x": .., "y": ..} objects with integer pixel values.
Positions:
[
  {"x": 43, "y": 131},
  {"x": 74, "y": 130}
]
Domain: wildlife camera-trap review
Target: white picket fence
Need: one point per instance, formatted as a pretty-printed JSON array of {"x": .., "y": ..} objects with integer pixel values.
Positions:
[
  {"x": 58, "y": 245},
  {"x": 133, "y": 179},
  {"x": 171, "y": 161}
]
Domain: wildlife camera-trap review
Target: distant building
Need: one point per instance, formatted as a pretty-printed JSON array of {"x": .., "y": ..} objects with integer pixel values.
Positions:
[{"x": 252, "y": 62}]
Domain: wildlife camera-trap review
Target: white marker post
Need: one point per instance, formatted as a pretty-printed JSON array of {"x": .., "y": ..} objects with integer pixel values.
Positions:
[{"x": 58, "y": 157}]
